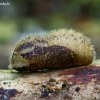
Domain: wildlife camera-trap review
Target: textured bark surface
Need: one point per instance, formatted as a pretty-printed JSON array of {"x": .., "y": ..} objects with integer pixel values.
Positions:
[{"x": 82, "y": 83}]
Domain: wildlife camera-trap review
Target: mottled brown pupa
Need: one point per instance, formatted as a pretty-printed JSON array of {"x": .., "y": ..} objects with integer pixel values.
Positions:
[{"x": 59, "y": 49}]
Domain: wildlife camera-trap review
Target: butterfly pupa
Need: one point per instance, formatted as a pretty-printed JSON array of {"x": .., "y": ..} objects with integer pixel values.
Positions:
[{"x": 60, "y": 48}]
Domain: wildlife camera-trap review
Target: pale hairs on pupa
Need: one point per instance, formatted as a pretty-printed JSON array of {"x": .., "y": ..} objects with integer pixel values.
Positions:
[
  {"x": 92, "y": 46},
  {"x": 89, "y": 40},
  {"x": 72, "y": 30},
  {"x": 24, "y": 36}
]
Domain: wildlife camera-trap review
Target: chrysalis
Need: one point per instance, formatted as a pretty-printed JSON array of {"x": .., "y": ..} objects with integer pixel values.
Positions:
[{"x": 61, "y": 48}]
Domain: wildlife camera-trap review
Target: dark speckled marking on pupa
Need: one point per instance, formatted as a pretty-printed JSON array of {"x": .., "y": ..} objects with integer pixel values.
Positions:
[
  {"x": 56, "y": 51},
  {"x": 54, "y": 55},
  {"x": 30, "y": 44},
  {"x": 25, "y": 46}
]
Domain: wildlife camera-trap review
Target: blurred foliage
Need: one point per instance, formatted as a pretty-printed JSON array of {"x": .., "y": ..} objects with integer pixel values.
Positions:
[
  {"x": 7, "y": 29},
  {"x": 22, "y": 15}
]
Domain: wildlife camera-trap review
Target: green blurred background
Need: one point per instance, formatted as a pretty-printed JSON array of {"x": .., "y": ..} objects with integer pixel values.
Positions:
[{"x": 40, "y": 16}]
